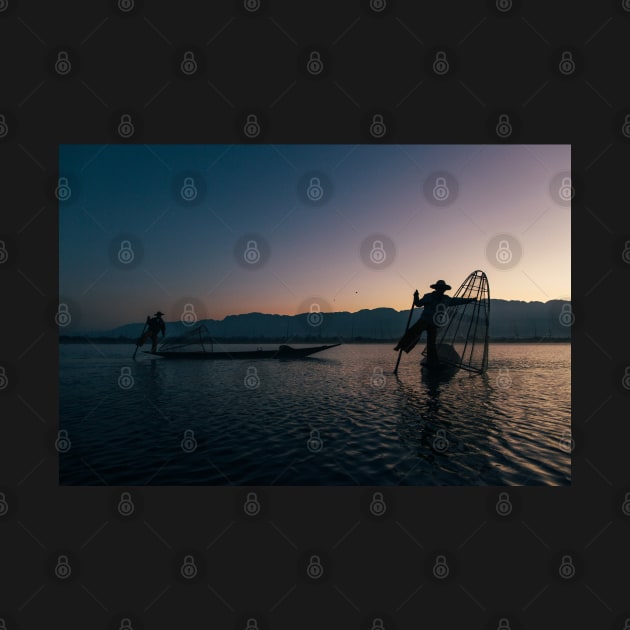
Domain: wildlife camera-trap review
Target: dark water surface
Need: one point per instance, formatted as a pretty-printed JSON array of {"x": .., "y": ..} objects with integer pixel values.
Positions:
[{"x": 338, "y": 418}]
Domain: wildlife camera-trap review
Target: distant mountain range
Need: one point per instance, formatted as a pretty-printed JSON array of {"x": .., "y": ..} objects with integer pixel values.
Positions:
[{"x": 509, "y": 319}]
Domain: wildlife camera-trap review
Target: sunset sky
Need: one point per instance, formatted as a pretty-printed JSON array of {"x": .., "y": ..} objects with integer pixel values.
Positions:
[{"x": 191, "y": 248}]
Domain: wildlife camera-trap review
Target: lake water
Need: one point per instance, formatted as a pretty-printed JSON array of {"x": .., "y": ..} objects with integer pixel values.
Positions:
[{"x": 337, "y": 418}]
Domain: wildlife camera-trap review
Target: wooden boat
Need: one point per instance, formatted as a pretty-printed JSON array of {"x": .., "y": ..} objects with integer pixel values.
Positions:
[{"x": 282, "y": 352}]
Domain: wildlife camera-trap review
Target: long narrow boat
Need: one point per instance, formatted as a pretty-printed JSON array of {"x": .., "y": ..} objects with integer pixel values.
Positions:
[{"x": 282, "y": 352}]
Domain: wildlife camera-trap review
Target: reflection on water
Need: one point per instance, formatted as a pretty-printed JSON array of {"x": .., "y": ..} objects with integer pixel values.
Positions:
[{"x": 253, "y": 422}]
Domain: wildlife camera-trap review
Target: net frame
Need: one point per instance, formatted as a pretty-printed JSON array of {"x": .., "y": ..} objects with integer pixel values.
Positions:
[
  {"x": 193, "y": 339},
  {"x": 467, "y": 327}
]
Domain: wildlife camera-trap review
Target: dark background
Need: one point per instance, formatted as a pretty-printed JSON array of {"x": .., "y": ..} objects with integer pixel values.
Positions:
[{"x": 374, "y": 61}]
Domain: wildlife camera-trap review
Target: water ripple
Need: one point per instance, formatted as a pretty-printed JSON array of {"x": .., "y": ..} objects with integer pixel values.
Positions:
[{"x": 507, "y": 427}]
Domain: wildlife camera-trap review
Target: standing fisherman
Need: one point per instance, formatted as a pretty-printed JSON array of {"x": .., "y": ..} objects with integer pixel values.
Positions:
[
  {"x": 435, "y": 305},
  {"x": 154, "y": 325}
]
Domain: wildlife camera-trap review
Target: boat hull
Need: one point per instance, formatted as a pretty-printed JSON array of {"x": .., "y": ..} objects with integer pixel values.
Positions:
[{"x": 283, "y": 352}]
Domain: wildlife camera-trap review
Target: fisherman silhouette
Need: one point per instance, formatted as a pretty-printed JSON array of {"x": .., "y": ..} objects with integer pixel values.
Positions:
[
  {"x": 433, "y": 317},
  {"x": 154, "y": 326}
]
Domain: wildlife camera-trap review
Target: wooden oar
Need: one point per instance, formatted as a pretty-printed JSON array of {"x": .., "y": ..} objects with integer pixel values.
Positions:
[
  {"x": 139, "y": 338},
  {"x": 413, "y": 303}
]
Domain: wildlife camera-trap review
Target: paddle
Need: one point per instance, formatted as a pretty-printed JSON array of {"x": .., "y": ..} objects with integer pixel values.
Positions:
[
  {"x": 413, "y": 303},
  {"x": 139, "y": 338}
]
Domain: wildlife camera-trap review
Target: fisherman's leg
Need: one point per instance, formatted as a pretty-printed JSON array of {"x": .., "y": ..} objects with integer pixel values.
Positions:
[
  {"x": 410, "y": 333},
  {"x": 154, "y": 343},
  {"x": 143, "y": 339},
  {"x": 432, "y": 355},
  {"x": 411, "y": 337}
]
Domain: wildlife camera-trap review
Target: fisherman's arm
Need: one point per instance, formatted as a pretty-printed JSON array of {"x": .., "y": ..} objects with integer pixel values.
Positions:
[
  {"x": 457, "y": 301},
  {"x": 416, "y": 299}
]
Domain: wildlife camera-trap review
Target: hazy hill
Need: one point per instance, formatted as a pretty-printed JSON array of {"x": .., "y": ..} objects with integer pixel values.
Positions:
[{"x": 508, "y": 318}]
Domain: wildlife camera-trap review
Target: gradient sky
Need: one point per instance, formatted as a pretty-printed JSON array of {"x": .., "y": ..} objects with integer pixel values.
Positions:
[{"x": 314, "y": 251}]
